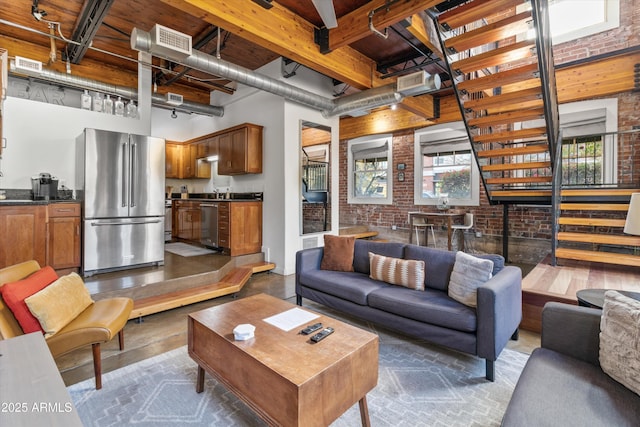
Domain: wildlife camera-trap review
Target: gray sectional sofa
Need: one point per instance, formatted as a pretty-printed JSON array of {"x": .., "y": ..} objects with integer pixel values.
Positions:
[
  {"x": 562, "y": 383},
  {"x": 428, "y": 314}
]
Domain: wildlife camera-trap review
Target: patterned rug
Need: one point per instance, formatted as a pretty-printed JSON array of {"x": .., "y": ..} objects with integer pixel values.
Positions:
[{"x": 419, "y": 385}]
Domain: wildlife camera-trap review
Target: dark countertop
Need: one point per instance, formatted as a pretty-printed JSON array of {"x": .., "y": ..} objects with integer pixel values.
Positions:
[
  {"x": 195, "y": 199},
  {"x": 29, "y": 202}
]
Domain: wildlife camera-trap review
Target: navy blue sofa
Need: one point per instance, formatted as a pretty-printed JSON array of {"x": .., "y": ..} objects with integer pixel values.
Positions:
[{"x": 431, "y": 314}]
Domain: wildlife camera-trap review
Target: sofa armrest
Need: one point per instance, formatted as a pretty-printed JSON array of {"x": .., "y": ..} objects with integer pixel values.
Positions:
[
  {"x": 499, "y": 311},
  {"x": 307, "y": 259},
  {"x": 572, "y": 330}
]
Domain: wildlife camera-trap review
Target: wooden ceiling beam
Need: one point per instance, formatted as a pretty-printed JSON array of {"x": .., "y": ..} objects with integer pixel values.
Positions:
[
  {"x": 96, "y": 70},
  {"x": 422, "y": 106},
  {"x": 355, "y": 25},
  {"x": 285, "y": 33},
  {"x": 419, "y": 30}
]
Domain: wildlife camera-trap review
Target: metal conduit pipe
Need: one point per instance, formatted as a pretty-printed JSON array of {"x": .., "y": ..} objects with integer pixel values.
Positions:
[
  {"x": 126, "y": 92},
  {"x": 365, "y": 100},
  {"x": 141, "y": 41}
]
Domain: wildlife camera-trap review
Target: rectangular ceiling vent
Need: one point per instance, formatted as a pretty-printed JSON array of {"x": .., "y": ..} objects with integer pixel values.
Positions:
[
  {"x": 28, "y": 65},
  {"x": 174, "y": 99},
  {"x": 170, "y": 43},
  {"x": 417, "y": 83}
]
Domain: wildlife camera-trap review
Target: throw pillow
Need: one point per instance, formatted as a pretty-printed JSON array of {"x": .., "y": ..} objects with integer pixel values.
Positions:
[
  {"x": 468, "y": 274},
  {"x": 338, "y": 253},
  {"x": 14, "y": 294},
  {"x": 59, "y": 303},
  {"x": 620, "y": 339},
  {"x": 396, "y": 271}
]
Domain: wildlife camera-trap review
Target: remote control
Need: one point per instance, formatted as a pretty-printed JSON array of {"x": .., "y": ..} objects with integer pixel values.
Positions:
[
  {"x": 322, "y": 334},
  {"x": 311, "y": 328}
]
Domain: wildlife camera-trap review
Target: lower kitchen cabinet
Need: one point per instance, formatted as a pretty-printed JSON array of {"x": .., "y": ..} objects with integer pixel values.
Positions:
[
  {"x": 240, "y": 227},
  {"x": 186, "y": 220},
  {"x": 24, "y": 234},
  {"x": 64, "y": 236}
]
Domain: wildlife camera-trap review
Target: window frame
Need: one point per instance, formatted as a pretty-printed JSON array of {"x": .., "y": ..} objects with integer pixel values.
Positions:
[
  {"x": 436, "y": 137},
  {"x": 373, "y": 141}
]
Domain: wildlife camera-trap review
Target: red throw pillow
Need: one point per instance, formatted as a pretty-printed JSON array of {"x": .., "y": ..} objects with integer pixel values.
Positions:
[{"x": 14, "y": 294}]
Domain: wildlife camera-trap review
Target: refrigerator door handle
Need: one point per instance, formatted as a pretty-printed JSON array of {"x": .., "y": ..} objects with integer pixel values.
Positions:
[
  {"x": 133, "y": 174},
  {"x": 124, "y": 175},
  {"x": 101, "y": 223}
]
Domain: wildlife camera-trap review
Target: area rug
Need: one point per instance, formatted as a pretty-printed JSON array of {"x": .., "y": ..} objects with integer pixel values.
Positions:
[
  {"x": 419, "y": 385},
  {"x": 186, "y": 250}
]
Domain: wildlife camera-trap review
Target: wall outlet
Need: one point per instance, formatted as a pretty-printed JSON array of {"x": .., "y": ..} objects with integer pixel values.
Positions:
[
  {"x": 478, "y": 233},
  {"x": 394, "y": 227}
]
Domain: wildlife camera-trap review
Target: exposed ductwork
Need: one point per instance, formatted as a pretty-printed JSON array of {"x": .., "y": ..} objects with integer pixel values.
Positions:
[
  {"x": 126, "y": 92},
  {"x": 357, "y": 104}
]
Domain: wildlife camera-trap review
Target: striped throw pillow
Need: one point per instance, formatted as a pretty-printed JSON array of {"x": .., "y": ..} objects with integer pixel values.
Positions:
[{"x": 403, "y": 272}]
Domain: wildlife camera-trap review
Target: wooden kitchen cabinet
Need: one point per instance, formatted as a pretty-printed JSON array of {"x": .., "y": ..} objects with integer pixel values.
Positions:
[
  {"x": 63, "y": 236},
  {"x": 173, "y": 160},
  {"x": 240, "y": 227},
  {"x": 181, "y": 161},
  {"x": 24, "y": 234},
  {"x": 186, "y": 220},
  {"x": 240, "y": 150},
  {"x": 4, "y": 76}
]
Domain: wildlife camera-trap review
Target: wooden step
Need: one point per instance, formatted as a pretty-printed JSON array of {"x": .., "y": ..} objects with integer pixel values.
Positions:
[
  {"x": 604, "y": 239},
  {"x": 363, "y": 235},
  {"x": 230, "y": 283},
  {"x": 518, "y": 180},
  {"x": 513, "y": 151},
  {"x": 591, "y": 222},
  {"x": 624, "y": 207},
  {"x": 597, "y": 256},
  {"x": 600, "y": 192},
  {"x": 516, "y": 166},
  {"x": 511, "y": 136},
  {"x": 506, "y": 118},
  {"x": 521, "y": 193},
  {"x": 512, "y": 101},
  {"x": 499, "y": 56},
  {"x": 503, "y": 78},
  {"x": 490, "y": 33},
  {"x": 474, "y": 11}
]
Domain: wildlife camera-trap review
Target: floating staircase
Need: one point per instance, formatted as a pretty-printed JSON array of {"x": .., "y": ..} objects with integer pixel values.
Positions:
[
  {"x": 504, "y": 81},
  {"x": 589, "y": 227}
]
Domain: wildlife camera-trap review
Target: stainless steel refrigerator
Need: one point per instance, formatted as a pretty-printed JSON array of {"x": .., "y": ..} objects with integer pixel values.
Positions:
[{"x": 120, "y": 179}]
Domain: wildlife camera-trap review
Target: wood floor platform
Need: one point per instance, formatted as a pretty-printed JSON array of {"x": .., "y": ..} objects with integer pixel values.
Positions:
[{"x": 560, "y": 283}]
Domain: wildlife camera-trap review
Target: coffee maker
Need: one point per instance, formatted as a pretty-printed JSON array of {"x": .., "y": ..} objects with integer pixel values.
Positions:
[{"x": 44, "y": 187}]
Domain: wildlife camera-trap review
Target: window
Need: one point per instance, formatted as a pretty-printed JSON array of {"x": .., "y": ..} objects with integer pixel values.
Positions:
[
  {"x": 587, "y": 17},
  {"x": 370, "y": 171},
  {"x": 444, "y": 156}
]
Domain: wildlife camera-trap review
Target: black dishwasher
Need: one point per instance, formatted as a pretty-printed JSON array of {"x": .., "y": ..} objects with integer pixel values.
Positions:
[{"x": 209, "y": 224}]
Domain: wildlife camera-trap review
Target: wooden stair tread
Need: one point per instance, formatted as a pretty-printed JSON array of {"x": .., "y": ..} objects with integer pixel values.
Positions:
[
  {"x": 518, "y": 180},
  {"x": 474, "y": 11},
  {"x": 362, "y": 235},
  {"x": 499, "y": 30},
  {"x": 600, "y": 192},
  {"x": 598, "y": 222},
  {"x": 511, "y": 135},
  {"x": 594, "y": 207},
  {"x": 598, "y": 256},
  {"x": 521, "y": 193},
  {"x": 232, "y": 282},
  {"x": 503, "y": 102},
  {"x": 502, "y": 78},
  {"x": 514, "y": 151},
  {"x": 516, "y": 166},
  {"x": 499, "y": 56},
  {"x": 506, "y": 118},
  {"x": 607, "y": 239}
]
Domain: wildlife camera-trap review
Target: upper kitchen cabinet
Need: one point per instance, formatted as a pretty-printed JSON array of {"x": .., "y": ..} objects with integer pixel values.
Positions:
[
  {"x": 182, "y": 161},
  {"x": 173, "y": 159},
  {"x": 240, "y": 150}
]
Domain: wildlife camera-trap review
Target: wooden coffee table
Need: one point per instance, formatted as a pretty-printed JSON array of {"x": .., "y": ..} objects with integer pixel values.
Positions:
[{"x": 281, "y": 375}]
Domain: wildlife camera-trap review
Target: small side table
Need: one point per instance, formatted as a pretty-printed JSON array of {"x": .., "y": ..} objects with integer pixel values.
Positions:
[{"x": 594, "y": 298}]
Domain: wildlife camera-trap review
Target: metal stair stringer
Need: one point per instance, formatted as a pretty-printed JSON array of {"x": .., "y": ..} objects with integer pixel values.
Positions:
[{"x": 504, "y": 81}]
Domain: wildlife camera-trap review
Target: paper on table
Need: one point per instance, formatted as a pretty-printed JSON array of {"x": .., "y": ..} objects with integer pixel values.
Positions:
[{"x": 287, "y": 320}]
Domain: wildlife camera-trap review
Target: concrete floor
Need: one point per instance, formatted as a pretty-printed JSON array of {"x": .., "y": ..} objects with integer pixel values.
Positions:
[{"x": 165, "y": 331}]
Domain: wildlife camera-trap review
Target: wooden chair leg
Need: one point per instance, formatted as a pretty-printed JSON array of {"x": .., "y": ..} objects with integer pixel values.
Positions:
[
  {"x": 97, "y": 365},
  {"x": 121, "y": 339}
]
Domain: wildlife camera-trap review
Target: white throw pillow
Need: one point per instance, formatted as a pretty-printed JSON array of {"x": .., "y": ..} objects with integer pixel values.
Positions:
[
  {"x": 468, "y": 274},
  {"x": 620, "y": 339}
]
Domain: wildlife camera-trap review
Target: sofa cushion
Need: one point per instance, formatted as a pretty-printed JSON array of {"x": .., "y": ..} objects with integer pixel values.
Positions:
[
  {"x": 396, "y": 271},
  {"x": 354, "y": 287},
  {"x": 14, "y": 294},
  {"x": 620, "y": 339},
  {"x": 363, "y": 247},
  {"x": 559, "y": 390},
  {"x": 59, "y": 303},
  {"x": 468, "y": 274},
  {"x": 438, "y": 262},
  {"x": 338, "y": 253},
  {"x": 428, "y": 306}
]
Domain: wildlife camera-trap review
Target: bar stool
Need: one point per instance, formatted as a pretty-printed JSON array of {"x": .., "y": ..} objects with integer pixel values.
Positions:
[
  {"x": 468, "y": 223},
  {"x": 420, "y": 223}
]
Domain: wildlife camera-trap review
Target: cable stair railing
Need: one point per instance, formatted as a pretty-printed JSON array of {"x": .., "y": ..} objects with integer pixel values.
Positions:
[{"x": 504, "y": 82}]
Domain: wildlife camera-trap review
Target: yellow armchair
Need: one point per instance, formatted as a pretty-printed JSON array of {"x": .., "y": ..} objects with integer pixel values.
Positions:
[{"x": 97, "y": 324}]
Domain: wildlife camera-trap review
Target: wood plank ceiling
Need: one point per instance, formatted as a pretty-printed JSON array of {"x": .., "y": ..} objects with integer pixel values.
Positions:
[{"x": 245, "y": 34}]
